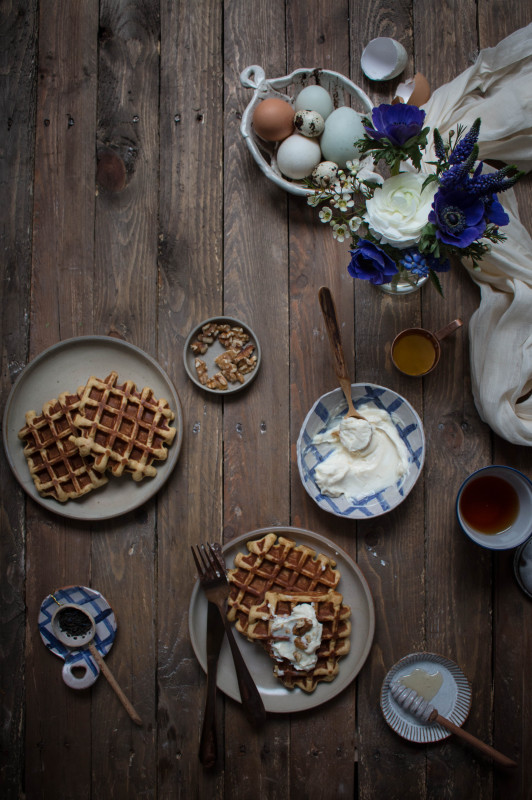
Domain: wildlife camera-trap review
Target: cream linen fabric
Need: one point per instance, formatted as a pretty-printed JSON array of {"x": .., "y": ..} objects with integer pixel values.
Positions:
[{"x": 498, "y": 88}]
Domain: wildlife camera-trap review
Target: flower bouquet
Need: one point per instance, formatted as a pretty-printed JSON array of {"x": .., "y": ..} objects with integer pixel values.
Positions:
[{"x": 406, "y": 224}]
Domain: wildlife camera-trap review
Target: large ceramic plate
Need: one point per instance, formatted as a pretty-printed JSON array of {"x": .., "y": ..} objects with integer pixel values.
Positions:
[
  {"x": 276, "y": 697},
  {"x": 64, "y": 367},
  {"x": 453, "y": 699}
]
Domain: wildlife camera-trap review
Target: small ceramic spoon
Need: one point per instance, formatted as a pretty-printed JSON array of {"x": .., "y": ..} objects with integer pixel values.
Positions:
[
  {"x": 85, "y": 639},
  {"x": 364, "y": 429}
]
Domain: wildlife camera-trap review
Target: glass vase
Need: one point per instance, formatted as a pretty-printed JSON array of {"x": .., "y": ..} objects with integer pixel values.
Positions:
[{"x": 401, "y": 286}]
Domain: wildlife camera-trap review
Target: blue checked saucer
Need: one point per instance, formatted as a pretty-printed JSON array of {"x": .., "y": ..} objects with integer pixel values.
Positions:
[
  {"x": 80, "y": 670},
  {"x": 327, "y": 411}
]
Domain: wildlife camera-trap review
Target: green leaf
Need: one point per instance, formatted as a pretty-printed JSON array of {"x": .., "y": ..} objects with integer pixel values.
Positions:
[
  {"x": 428, "y": 180},
  {"x": 436, "y": 282}
]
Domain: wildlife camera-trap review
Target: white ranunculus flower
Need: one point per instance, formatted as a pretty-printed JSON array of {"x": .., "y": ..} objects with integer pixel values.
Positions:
[{"x": 398, "y": 211}]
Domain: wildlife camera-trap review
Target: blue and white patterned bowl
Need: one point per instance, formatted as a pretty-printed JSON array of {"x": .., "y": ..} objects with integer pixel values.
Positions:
[{"x": 330, "y": 408}]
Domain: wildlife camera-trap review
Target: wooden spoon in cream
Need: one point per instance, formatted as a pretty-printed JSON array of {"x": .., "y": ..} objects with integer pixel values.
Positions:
[{"x": 356, "y": 435}]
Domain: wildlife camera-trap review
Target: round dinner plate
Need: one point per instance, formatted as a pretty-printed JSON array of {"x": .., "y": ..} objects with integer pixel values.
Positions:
[
  {"x": 453, "y": 699},
  {"x": 276, "y": 697},
  {"x": 63, "y": 368}
]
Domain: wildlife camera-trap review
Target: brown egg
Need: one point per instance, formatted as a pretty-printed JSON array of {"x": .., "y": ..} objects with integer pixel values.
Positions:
[
  {"x": 415, "y": 91},
  {"x": 273, "y": 119}
]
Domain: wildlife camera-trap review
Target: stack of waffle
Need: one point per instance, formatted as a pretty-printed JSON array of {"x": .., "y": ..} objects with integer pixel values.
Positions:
[
  {"x": 105, "y": 428},
  {"x": 269, "y": 582}
]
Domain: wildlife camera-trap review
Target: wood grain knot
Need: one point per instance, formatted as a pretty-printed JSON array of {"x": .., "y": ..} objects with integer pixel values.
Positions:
[{"x": 111, "y": 171}]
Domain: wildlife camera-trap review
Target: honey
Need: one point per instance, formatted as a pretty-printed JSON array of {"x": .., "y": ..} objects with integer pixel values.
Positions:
[
  {"x": 489, "y": 504},
  {"x": 414, "y": 354},
  {"x": 426, "y": 684}
]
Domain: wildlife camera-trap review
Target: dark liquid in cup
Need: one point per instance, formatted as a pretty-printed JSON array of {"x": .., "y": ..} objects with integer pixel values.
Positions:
[{"x": 489, "y": 504}]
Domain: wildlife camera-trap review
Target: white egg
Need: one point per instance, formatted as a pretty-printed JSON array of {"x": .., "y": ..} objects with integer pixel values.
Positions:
[
  {"x": 309, "y": 123},
  {"x": 342, "y": 128},
  {"x": 297, "y": 156},
  {"x": 314, "y": 98}
]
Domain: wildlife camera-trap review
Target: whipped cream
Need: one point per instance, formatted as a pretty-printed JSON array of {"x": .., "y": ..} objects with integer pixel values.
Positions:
[
  {"x": 382, "y": 463},
  {"x": 354, "y": 433},
  {"x": 297, "y": 637}
]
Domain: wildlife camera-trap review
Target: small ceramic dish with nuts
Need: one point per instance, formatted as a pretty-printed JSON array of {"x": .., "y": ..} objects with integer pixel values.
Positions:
[{"x": 222, "y": 355}]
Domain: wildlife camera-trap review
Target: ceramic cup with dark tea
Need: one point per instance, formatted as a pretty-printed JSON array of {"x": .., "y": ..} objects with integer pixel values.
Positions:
[
  {"x": 416, "y": 351},
  {"x": 494, "y": 507}
]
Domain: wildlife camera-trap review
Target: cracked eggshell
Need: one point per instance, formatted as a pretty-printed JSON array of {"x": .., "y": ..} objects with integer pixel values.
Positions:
[
  {"x": 383, "y": 59},
  {"x": 297, "y": 156},
  {"x": 314, "y": 98},
  {"x": 309, "y": 123},
  {"x": 342, "y": 128},
  {"x": 414, "y": 92},
  {"x": 325, "y": 173}
]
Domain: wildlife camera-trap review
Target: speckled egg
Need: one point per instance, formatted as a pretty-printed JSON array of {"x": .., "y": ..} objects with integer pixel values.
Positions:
[
  {"x": 297, "y": 156},
  {"x": 309, "y": 123},
  {"x": 325, "y": 173}
]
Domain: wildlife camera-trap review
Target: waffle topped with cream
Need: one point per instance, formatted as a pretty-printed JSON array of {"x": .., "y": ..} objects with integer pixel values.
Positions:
[
  {"x": 267, "y": 584},
  {"x": 304, "y": 634}
]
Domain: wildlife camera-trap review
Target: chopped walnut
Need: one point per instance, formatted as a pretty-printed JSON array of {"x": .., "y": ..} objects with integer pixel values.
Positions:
[
  {"x": 210, "y": 329},
  {"x": 201, "y": 371},
  {"x": 217, "y": 382},
  {"x": 303, "y": 626},
  {"x": 199, "y": 347}
]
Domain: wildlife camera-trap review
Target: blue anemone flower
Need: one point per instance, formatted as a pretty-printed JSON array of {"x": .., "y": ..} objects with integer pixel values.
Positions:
[
  {"x": 370, "y": 263},
  {"x": 495, "y": 213},
  {"x": 398, "y": 123},
  {"x": 458, "y": 216}
]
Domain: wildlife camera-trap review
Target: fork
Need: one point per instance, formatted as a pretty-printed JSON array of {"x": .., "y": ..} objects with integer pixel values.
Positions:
[{"x": 213, "y": 580}]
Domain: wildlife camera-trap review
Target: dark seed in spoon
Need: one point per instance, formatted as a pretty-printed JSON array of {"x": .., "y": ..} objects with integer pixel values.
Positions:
[{"x": 74, "y": 622}]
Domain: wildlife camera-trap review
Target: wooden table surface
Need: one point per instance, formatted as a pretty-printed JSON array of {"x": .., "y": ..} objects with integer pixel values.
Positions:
[{"x": 186, "y": 227}]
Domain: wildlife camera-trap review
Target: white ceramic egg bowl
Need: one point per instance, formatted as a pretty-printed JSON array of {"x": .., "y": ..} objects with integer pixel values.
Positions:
[{"x": 342, "y": 92}]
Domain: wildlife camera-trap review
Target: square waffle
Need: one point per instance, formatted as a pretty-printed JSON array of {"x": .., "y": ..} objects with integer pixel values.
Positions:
[
  {"x": 334, "y": 618},
  {"x": 55, "y": 463},
  {"x": 121, "y": 428},
  {"x": 276, "y": 564}
]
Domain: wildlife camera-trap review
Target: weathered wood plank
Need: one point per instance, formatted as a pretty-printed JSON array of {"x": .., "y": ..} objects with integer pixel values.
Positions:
[
  {"x": 18, "y": 23},
  {"x": 58, "y": 748},
  {"x": 390, "y": 548},
  {"x": 126, "y": 291},
  {"x": 322, "y": 747},
  {"x": 190, "y": 268},
  {"x": 457, "y": 597},
  {"x": 256, "y": 444}
]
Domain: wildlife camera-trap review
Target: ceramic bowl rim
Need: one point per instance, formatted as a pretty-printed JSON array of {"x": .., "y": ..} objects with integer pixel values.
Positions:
[{"x": 484, "y": 539}]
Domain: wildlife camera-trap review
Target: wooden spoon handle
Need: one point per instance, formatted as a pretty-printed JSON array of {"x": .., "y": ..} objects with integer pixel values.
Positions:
[
  {"x": 482, "y": 746},
  {"x": 328, "y": 309},
  {"x": 114, "y": 684}
]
